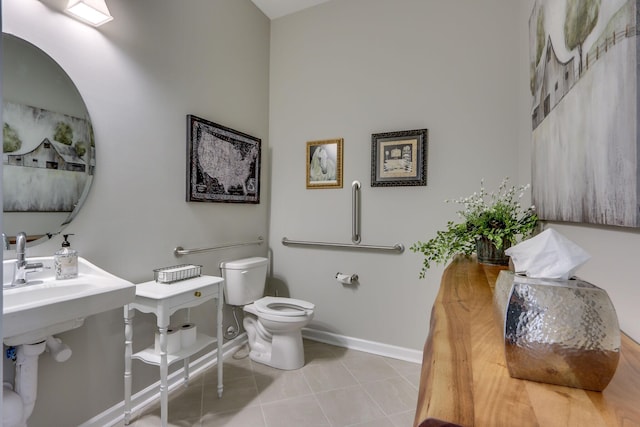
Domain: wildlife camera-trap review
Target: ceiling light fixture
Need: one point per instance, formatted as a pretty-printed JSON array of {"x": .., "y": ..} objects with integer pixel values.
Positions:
[{"x": 92, "y": 12}]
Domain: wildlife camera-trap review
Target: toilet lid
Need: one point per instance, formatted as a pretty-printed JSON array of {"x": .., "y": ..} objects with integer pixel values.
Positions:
[{"x": 283, "y": 306}]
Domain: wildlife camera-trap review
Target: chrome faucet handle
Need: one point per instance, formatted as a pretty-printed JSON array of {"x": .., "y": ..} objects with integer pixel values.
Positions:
[
  {"x": 33, "y": 267},
  {"x": 20, "y": 274}
]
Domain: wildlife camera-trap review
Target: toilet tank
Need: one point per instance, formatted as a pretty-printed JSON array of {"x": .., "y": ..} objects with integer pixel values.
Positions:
[{"x": 244, "y": 280}]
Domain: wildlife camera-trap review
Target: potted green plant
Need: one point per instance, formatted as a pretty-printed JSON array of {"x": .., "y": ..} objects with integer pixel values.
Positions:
[{"x": 492, "y": 222}]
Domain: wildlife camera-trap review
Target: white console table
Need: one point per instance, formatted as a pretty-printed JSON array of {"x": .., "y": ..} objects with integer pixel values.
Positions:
[{"x": 163, "y": 300}]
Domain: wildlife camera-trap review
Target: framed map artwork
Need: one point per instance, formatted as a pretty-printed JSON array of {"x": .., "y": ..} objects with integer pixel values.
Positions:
[{"x": 223, "y": 165}]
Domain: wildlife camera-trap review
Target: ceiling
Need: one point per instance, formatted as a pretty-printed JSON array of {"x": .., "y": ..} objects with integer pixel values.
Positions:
[
  {"x": 277, "y": 8},
  {"x": 272, "y": 8}
]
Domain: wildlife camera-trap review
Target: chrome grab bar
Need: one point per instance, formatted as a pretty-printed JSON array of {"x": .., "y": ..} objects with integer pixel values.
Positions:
[
  {"x": 398, "y": 247},
  {"x": 179, "y": 250},
  {"x": 356, "y": 236},
  {"x": 355, "y": 212}
]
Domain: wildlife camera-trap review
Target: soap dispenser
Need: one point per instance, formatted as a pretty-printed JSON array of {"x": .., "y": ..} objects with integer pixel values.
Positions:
[{"x": 65, "y": 260}]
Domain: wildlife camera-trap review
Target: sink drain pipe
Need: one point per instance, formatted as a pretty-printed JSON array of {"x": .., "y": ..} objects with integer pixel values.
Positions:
[{"x": 18, "y": 403}]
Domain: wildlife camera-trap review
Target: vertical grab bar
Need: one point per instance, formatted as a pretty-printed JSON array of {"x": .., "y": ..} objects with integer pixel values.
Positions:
[{"x": 355, "y": 212}]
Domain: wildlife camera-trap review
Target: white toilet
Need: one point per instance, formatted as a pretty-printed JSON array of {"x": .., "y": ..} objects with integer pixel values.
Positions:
[{"x": 273, "y": 324}]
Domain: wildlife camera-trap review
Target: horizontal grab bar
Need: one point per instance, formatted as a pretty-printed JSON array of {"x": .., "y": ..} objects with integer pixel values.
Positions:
[
  {"x": 179, "y": 251},
  {"x": 398, "y": 247}
]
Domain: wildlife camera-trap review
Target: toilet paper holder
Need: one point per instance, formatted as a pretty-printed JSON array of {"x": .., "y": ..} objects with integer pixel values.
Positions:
[{"x": 346, "y": 279}]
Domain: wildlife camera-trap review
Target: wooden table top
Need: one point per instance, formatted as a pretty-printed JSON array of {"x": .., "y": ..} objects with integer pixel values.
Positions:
[{"x": 465, "y": 381}]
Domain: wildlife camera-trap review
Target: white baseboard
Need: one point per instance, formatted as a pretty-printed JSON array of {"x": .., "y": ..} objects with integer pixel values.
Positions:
[
  {"x": 151, "y": 394},
  {"x": 373, "y": 347}
]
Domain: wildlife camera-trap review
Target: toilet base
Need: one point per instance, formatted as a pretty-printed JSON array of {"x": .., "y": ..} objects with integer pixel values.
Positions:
[{"x": 282, "y": 350}]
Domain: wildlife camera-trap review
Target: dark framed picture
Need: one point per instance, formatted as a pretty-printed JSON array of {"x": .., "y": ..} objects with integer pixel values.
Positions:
[
  {"x": 324, "y": 163},
  {"x": 223, "y": 165},
  {"x": 399, "y": 158}
]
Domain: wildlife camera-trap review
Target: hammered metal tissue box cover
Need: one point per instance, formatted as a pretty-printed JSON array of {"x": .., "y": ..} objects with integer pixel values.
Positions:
[{"x": 561, "y": 332}]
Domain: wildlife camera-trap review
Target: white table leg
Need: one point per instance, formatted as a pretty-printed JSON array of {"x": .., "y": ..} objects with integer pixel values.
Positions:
[
  {"x": 186, "y": 372},
  {"x": 128, "y": 346},
  {"x": 164, "y": 370},
  {"x": 220, "y": 337},
  {"x": 186, "y": 360}
]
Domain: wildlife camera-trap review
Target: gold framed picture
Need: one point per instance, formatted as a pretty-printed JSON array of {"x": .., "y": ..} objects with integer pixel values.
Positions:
[{"x": 324, "y": 163}]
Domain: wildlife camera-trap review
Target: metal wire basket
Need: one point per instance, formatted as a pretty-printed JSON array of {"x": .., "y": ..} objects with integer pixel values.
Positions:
[{"x": 176, "y": 273}]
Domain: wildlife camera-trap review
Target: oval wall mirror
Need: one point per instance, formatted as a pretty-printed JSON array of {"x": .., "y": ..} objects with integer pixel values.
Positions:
[{"x": 48, "y": 146}]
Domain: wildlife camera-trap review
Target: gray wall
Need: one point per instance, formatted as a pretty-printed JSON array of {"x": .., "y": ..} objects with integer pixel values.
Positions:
[
  {"x": 459, "y": 69},
  {"x": 351, "y": 68},
  {"x": 140, "y": 75}
]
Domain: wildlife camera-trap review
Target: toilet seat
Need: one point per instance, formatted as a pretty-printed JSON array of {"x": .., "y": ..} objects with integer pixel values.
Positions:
[{"x": 287, "y": 307}]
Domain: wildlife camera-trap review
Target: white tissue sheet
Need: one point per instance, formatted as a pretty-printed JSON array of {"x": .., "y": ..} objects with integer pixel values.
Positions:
[{"x": 548, "y": 255}]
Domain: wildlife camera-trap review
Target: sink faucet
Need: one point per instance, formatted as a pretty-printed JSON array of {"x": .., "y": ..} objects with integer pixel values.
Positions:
[{"x": 22, "y": 267}]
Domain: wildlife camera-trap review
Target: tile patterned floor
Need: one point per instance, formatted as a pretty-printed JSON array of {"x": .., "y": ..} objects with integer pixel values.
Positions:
[{"x": 337, "y": 387}]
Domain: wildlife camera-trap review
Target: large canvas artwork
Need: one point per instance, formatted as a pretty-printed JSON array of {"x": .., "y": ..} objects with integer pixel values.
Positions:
[
  {"x": 584, "y": 114},
  {"x": 44, "y": 151}
]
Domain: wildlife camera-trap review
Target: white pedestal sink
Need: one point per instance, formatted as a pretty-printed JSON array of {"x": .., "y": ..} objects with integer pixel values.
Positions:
[{"x": 46, "y": 306}]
